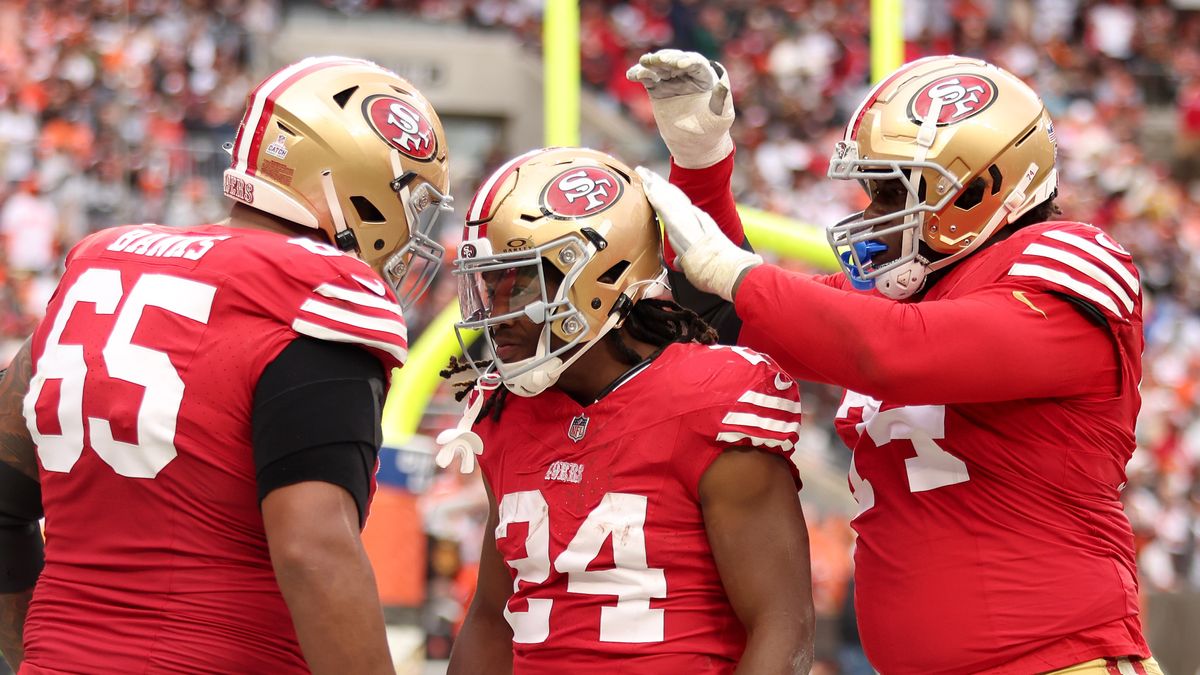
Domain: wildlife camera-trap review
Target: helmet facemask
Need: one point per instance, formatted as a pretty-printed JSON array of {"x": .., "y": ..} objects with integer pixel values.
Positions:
[
  {"x": 857, "y": 240},
  {"x": 498, "y": 289},
  {"x": 412, "y": 268}
]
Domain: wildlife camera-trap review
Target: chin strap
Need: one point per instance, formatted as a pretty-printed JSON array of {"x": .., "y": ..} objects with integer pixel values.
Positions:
[
  {"x": 903, "y": 281},
  {"x": 460, "y": 441}
]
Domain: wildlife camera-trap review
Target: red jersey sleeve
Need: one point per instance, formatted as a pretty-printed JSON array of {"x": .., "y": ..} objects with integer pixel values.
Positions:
[
  {"x": 991, "y": 344},
  {"x": 339, "y": 310},
  {"x": 324, "y": 295},
  {"x": 709, "y": 189},
  {"x": 750, "y": 402}
]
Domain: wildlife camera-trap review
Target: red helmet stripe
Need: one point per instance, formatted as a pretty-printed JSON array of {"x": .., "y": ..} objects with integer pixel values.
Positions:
[
  {"x": 262, "y": 105},
  {"x": 481, "y": 204}
]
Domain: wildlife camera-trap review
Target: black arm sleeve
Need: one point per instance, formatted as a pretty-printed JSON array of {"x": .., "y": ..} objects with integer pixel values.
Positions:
[
  {"x": 715, "y": 311},
  {"x": 317, "y": 410},
  {"x": 21, "y": 554}
]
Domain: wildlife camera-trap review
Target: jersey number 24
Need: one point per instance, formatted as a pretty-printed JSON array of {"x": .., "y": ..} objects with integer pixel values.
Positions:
[{"x": 631, "y": 580}]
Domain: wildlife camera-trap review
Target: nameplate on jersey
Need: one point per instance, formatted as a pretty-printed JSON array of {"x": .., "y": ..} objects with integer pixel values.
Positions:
[{"x": 164, "y": 245}]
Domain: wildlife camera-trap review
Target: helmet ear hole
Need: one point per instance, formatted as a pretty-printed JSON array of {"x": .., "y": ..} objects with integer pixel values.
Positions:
[
  {"x": 367, "y": 212},
  {"x": 379, "y": 244},
  {"x": 972, "y": 195},
  {"x": 612, "y": 274},
  {"x": 343, "y": 96}
]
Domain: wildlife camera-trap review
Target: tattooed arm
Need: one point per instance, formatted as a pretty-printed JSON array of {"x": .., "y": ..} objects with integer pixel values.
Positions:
[
  {"x": 16, "y": 447},
  {"x": 20, "y": 508}
]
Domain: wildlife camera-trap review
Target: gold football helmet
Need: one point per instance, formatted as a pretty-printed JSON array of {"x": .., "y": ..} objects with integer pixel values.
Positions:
[
  {"x": 971, "y": 143},
  {"x": 574, "y": 212},
  {"x": 350, "y": 148}
]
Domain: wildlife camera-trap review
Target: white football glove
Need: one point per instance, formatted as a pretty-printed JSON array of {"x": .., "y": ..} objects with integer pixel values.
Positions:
[
  {"x": 709, "y": 260},
  {"x": 692, "y": 105}
]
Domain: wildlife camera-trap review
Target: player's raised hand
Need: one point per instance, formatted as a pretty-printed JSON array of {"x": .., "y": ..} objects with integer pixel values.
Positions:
[
  {"x": 692, "y": 104},
  {"x": 709, "y": 260}
]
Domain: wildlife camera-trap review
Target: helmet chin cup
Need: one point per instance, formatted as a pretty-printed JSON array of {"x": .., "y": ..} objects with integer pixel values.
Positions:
[
  {"x": 534, "y": 382},
  {"x": 903, "y": 281}
]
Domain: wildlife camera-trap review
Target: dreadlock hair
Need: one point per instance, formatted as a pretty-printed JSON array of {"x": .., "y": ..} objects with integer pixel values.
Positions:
[
  {"x": 659, "y": 322},
  {"x": 654, "y": 321},
  {"x": 492, "y": 404}
]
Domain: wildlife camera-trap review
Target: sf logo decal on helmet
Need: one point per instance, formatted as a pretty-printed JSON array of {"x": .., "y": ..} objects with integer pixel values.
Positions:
[
  {"x": 576, "y": 193},
  {"x": 402, "y": 125},
  {"x": 961, "y": 96}
]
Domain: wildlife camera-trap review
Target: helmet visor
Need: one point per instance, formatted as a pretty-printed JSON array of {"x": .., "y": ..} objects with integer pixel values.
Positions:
[{"x": 499, "y": 291}]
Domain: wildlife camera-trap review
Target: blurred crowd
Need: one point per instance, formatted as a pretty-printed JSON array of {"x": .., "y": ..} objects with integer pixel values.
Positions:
[{"x": 112, "y": 111}]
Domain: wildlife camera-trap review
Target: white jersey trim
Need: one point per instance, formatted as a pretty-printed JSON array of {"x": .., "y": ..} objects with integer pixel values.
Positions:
[
  {"x": 759, "y": 422},
  {"x": 1098, "y": 252},
  {"x": 772, "y": 402},
  {"x": 359, "y": 298},
  {"x": 737, "y": 437},
  {"x": 320, "y": 332},
  {"x": 355, "y": 319},
  {"x": 1075, "y": 262},
  {"x": 1068, "y": 282}
]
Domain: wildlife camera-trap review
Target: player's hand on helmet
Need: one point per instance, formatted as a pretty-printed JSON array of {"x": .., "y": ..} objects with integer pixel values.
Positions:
[
  {"x": 709, "y": 260},
  {"x": 692, "y": 104}
]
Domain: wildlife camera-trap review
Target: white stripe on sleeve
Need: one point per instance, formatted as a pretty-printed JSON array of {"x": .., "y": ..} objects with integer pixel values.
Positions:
[
  {"x": 768, "y": 401},
  {"x": 359, "y": 298},
  {"x": 764, "y": 423},
  {"x": 355, "y": 319},
  {"x": 1075, "y": 262},
  {"x": 1098, "y": 252},
  {"x": 737, "y": 437},
  {"x": 1068, "y": 282},
  {"x": 320, "y": 332}
]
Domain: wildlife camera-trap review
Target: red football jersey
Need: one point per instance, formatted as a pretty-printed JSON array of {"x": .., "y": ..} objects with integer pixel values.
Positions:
[
  {"x": 988, "y": 464},
  {"x": 991, "y": 533},
  {"x": 140, "y": 403},
  {"x": 600, "y": 520},
  {"x": 1002, "y": 541}
]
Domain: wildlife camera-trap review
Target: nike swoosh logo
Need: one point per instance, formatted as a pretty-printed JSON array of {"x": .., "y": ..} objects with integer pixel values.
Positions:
[
  {"x": 374, "y": 285},
  {"x": 1020, "y": 295},
  {"x": 782, "y": 382}
]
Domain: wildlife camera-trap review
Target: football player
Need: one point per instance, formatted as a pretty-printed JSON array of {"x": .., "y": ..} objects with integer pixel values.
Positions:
[
  {"x": 991, "y": 354},
  {"x": 644, "y": 513},
  {"x": 201, "y": 405}
]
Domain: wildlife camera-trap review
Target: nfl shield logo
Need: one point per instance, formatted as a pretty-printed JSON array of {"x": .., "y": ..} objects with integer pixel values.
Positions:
[{"x": 578, "y": 428}]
